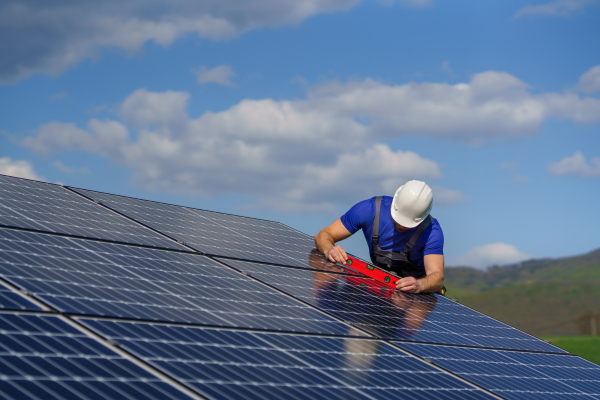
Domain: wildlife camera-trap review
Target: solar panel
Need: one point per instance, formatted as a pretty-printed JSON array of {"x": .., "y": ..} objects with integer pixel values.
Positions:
[
  {"x": 13, "y": 301},
  {"x": 98, "y": 278},
  {"x": 421, "y": 318},
  {"x": 517, "y": 375},
  {"x": 42, "y": 357},
  {"x": 51, "y": 208},
  {"x": 226, "y": 364},
  {"x": 129, "y": 313},
  {"x": 216, "y": 233}
]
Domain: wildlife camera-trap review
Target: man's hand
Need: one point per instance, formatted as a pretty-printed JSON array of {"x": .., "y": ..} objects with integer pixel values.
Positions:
[
  {"x": 409, "y": 285},
  {"x": 336, "y": 254},
  {"x": 327, "y": 237},
  {"x": 431, "y": 282}
]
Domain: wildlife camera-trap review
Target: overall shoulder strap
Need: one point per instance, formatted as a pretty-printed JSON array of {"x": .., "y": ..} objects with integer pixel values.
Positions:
[
  {"x": 375, "y": 232},
  {"x": 413, "y": 239}
]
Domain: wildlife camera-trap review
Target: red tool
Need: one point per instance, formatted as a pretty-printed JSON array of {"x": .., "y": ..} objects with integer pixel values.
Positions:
[{"x": 385, "y": 277}]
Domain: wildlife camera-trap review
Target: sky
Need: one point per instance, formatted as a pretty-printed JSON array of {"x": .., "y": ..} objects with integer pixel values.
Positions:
[{"x": 295, "y": 110}]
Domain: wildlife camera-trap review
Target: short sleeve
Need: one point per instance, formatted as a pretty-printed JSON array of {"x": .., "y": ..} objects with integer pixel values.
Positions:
[
  {"x": 359, "y": 216},
  {"x": 434, "y": 241}
]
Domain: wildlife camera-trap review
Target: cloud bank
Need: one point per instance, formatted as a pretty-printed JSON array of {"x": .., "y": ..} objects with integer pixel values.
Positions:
[
  {"x": 491, "y": 254},
  {"x": 55, "y": 35},
  {"x": 306, "y": 155}
]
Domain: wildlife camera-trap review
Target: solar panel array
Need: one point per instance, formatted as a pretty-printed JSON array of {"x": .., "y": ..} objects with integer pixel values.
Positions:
[{"x": 110, "y": 297}]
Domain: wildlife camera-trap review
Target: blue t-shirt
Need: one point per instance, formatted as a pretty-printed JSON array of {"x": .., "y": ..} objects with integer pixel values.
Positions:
[{"x": 361, "y": 216}]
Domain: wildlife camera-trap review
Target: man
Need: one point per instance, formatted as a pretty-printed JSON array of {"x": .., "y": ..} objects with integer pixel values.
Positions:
[{"x": 401, "y": 234}]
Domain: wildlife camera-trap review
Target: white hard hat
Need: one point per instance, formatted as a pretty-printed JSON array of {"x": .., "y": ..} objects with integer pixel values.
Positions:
[{"x": 412, "y": 203}]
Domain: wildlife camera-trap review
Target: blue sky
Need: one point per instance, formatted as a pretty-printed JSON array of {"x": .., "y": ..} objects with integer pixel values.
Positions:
[{"x": 295, "y": 110}]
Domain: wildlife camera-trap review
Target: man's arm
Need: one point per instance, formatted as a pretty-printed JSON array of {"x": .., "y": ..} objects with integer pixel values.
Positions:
[
  {"x": 326, "y": 240},
  {"x": 432, "y": 282}
]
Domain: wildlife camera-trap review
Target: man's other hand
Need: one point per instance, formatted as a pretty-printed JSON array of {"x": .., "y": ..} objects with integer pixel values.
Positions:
[
  {"x": 336, "y": 254},
  {"x": 409, "y": 285}
]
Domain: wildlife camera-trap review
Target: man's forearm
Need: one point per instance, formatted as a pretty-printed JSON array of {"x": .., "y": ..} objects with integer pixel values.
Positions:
[
  {"x": 324, "y": 241},
  {"x": 431, "y": 283}
]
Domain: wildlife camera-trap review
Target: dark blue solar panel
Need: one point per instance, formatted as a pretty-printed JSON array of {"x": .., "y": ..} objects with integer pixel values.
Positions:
[
  {"x": 517, "y": 375},
  {"x": 215, "y": 233},
  {"x": 226, "y": 364},
  {"x": 421, "y": 318},
  {"x": 42, "y": 357},
  {"x": 98, "y": 278},
  {"x": 226, "y": 335},
  {"x": 10, "y": 300},
  {"x": 52, "y": 208}
]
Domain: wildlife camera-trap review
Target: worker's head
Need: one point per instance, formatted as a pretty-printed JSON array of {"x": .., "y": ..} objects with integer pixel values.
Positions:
[{"x": 412, "y": 203}]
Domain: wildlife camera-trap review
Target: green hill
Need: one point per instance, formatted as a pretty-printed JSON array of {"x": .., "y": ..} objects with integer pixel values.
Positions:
[{"x": 545, "y": 297}]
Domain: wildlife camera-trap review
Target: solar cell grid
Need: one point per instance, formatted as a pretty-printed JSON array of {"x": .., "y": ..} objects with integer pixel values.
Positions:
[
  {"x": 99, "y": 278},
  {"x": 9, "y": 300},
  {"x": 518, "y": 375},
  {"x": 215, "y": 233},
  {"x": 52, "y": 208},
  {"x": 42, "y": 357},
  {"x": 215, "y": 328},
  {"x": 225, "y": 364},
  {"x": 420, "y": 318}
]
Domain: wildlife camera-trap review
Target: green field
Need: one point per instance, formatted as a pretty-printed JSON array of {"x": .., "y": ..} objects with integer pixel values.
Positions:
[
  {"x": 543, "y": 297},
  {"x": 587, "y": 347}
]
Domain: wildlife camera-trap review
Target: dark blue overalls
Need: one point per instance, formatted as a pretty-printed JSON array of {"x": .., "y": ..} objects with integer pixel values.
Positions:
[{"x": 397, "y": 261}]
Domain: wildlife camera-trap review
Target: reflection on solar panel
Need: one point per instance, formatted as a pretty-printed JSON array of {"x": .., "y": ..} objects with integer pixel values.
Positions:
[
  {"x": 86, "y": 277},
  {"x": 421, "y": 318},
  {"x": 51, "y": 208},
  {"x": 215, "y": 233},
  {"x": 128, "y": 313}
]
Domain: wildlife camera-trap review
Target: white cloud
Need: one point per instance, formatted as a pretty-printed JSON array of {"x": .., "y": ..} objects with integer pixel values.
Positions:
[
  {"x": 221, "y": 75},
  {"x": 493, "y": 104},
  {"x": 561, "y": 8},
  {"x": 491, "y": 254},
  {"x": 102, "y": 137},
  {"x": 575, "y": 165},
  {"x": 55, "y": 35},
  {"x": 18, "y": 168},
  {"x": 590, "y": 81},
  {"x": 143, "y": 108},
  {"x": 288, "y": 155},
  {"x": 444, "y": 196},
  {"x": 308, "y": 154},
  {"x": 70, "y": 170}
]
